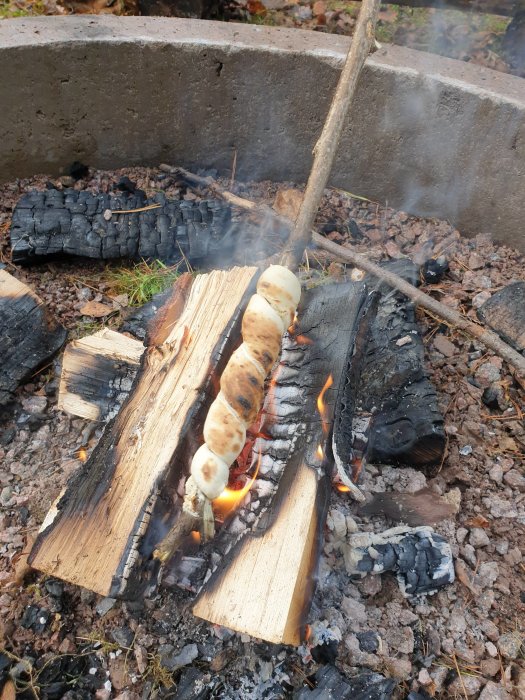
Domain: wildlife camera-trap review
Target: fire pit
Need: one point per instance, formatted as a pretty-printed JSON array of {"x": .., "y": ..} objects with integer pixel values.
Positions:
[{"x": 393, "y": 416}]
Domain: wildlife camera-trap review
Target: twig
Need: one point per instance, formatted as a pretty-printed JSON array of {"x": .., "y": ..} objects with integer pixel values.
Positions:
[
  {"x": 132, "y": 211},
  {"x": 478, "y": 331},
  {"x": 488, "y": 338},
  {"x": 326, "y": 147},
  {"x": 459, "y": 674}
]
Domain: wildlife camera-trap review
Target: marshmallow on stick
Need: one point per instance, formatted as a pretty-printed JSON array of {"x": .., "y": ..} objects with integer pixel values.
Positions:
[{"x": 267, "y": 316}]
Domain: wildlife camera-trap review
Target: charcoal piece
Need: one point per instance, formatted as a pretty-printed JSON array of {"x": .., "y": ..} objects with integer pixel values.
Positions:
[
  {"x": 420, "y": 558},
  {"x": 504, "y": 312},
  {"x": 423, "y": 507},
  {"x": 68, "y": 222},
  {"x": 394, "y": 417},
  {"x": 29, "y": 336},
  {"x": 330, "y": 683},
  {"x": 368, "y": 641},
  {"x": 433, "y": 271},
  {"x": 138, "y": 320}
]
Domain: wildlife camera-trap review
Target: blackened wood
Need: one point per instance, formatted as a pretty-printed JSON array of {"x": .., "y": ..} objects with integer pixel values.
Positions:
[
  {"x": 505, "y": 313},
  {"x": 29, "y": 335},
  {"x": 108, "y": 521},
  {"x": 264, "y": 584},
  {"x": 396, "y": 418},
  {"x": 330, "y": 683},
  {"x": 70, "y": 222},
  {"x": 97, "y": 374}
]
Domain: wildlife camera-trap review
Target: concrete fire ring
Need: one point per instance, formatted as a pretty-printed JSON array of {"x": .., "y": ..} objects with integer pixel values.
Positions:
[{"x": 426, "y": 134}]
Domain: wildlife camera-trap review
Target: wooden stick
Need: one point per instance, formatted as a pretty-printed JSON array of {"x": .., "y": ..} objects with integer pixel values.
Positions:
[
  {"x": 477, "y": 330},
  {"x": 326, "y": 147},
  {"x": 488, "y": 338}
]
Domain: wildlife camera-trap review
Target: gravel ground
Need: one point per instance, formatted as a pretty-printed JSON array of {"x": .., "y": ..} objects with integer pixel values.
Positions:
[{"x": 465, "y": 641}]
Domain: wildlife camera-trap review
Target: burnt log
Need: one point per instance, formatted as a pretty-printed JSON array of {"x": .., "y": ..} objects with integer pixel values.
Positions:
[
  {"x": 393, "y": 417},
  {"x": 420, "y": 558},
  {"x": 29, "y": 335},
  {"x": 70, "y": 222},
  {"x": 276, "y": 559},
  {"x": 97, "y": 374},
  {"x": 504, "y": 312},
  {"x": 330, "y": 683},
  {"x": 106, "y": 523}
]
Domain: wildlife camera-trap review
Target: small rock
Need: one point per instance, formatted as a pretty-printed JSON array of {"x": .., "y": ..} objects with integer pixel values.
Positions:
[
  {"x": 355, "y": 611},
  {"x": 496, "y": 473},
  {"x": 515, "y": 479},
  {"x": 466, "y": 684},
  {"x": 123, "y": 636},
  {"x": 510, "y": 644},
  {"x": 398, "y": 668},
  {"x": 54, "y": 587},
  {"x": 490, "y": 667},
  {"x": 501, "y": 508},
  {"x": 370, "y": 585},
  {"x": 424, "y": 677},
  {"x": 488, "y": 573},
  {"x": 188, "y": 654},
  {"x": 35, "y": 404},
  {"x": 105, "y": 606},
  {"x": 466, "y": 450},
  {"x": 479, "y": 299},
  {"x": 478, "y": 537},
  {"x": 5, "y": 495},
  {"x": 475, "y": 262},
  {"x": 401, "y": 639},
  {"x": 351, "y": 525},
  {"x": 493, "y": 691},
  {"x": 443, "y": 345},
  {"x": 487, "y": 374},
  {"x": 490, "y": 629},
  {"x": 461, "y": 533}
]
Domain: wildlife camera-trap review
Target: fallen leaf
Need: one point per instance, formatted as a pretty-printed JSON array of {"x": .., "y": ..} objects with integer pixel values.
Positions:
[
  {"x": 464, "y": 576},
  {"x": 95, "y": 309},
  {"x": 319, "y": 8},
  {"x": 8, "y": 691},
  {"x": 478, "y": 521},
  {"x": 288, "y": 202},
  {"x": 120, "y": 301},
  {"x": 255, "y": 7}
]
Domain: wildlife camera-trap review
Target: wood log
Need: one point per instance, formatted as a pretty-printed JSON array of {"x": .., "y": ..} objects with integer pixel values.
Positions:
[
  {"x": 70, "y": 222},
  {"x": 97, "y": 374},
  {"x": 29, "y": 335},
  {"x": 108, "y": 520},
  {"x": 504, "y": 312},
  {"x": 264, "y": 584}
]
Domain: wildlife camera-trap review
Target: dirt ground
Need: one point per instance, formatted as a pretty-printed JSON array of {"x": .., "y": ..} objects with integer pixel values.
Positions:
[{"x": 58, "y": 641}]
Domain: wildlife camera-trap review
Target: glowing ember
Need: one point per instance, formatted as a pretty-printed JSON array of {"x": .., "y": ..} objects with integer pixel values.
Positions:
[
  {"x": 342, "y": 488},
  {"x": 82, "y": 454},
  {"x": 231, "y": 499},
  {"x": 321, "y": 406},
  {"x": 319, "y": 452},
  {"x": 303, "y": 340},
  {"x": 195, "y": 537}
]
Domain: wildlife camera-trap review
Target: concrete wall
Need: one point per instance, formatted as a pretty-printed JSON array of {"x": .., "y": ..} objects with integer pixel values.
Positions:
[{"x": 427, "y": 134}]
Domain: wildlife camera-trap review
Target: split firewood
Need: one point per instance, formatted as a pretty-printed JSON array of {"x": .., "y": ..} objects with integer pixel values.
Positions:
[
  {"x": 71, "y": 222},
  {"x": 125, "y": 495},
  {"x": 97, "y": 374},
  {"x": 276, "y": 558},
  {"x": 29, "y": 336}
]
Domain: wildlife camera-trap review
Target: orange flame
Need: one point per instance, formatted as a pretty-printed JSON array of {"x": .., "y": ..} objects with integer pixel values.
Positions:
[
  {"x": 321, "y": 406},
  {"x": 342, "y": 488},
  {"x": 319, "y": 452},
  {"x": 231, "y": 499},
  {"x": 82, "y": 454}
]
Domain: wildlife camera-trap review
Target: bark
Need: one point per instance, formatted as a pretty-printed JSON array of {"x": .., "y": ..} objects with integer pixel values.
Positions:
[
  {"x": 69, "y": 222},
  {"x": 29, "y": 336},
  {"x": 505, "y": 313}
]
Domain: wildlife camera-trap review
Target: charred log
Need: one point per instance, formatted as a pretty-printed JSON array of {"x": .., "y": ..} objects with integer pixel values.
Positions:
[
  {"x": 393, "y": 417},
  {"x": 70, "y": 222},
  {"x": 330, "y": 683},
  {"x": 420, "y": 558},
  {"x": 505, "y": 313},
  {"x": 28, "y": 334}
]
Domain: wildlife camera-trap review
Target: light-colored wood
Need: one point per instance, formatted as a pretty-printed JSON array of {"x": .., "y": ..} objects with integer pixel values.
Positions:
[
  {"x": 264, "y": 589},
  {"x": 86, "y": 390},
  {"x": 93, "y": 539}
]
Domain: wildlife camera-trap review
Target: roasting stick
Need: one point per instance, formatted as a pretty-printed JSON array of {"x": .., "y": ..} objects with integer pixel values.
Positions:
[{"x": 268, "y": 315}]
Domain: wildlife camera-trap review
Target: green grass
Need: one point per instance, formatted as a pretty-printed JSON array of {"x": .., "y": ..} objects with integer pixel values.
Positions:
[
  {"x": 142, "y": 281},
  {"x": 10, "y": 9}
]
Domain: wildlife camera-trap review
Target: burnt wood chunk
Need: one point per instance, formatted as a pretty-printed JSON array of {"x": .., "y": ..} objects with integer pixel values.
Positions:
[
  {"x": 330, "y": 683},
  {"x": 393, "y": 416},
  {"x": 71, "y": 222},
  {"x": 29, "y": 335},
  {"x": 97, "y": 374},
  {"x": 276, "y": 562},
  {"x": 504, "y": 312},
  {"x": 107, "y": 522}
]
